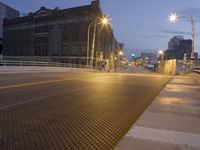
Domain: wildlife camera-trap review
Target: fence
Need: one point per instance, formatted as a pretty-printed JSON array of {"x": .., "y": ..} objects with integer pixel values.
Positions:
[
  {"x": 39, "y": 63},
  {"x": 196, "y": 69}
]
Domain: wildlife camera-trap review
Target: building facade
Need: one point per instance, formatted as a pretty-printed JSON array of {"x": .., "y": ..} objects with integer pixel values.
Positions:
[
  {"x": 60, "y": 35},
  {"x": 5, "y": 12},
  {"x": 180, "y": 49},
  {"x": 174, "y": 42}
]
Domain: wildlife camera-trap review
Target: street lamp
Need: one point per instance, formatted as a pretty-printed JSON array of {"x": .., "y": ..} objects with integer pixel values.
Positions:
[
  {"x": 173, "y": 18},
  {"x": 115, "y": 63},
  {"x": 120, "y": 53},
  {"x": 161, "y": 53},
  {"x": 104, "y": 21}
]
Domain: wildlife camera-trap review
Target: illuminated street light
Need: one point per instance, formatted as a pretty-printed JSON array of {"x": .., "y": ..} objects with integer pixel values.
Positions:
[
  {"x": 120, "y": 53},
  {"x": 161, "y": 53},
  {"x": 104, "y": 21},
  {"x": 172, "y": 18}
]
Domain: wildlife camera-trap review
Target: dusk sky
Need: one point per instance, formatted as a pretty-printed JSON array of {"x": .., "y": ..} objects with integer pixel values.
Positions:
[{"x": 141, "y": 24}]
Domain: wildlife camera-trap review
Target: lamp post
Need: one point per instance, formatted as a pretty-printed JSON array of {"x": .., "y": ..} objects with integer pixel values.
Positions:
[
  {"x": 88, "y": 41},
  {"x": 173, "y": 18},
  {"x": 104, "y": 21},
  {"x": 120, "y": 54},
  {"x": 115, "y": 64}
]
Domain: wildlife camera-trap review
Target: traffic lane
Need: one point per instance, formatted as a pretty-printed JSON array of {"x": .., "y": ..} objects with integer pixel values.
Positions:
[
  {"x": 13, "y": 95},
  {"x": 28, "y": 93},
  {"x": 88, "y": 119},
  {"x": 18, "y": 92},
  {"x": 20, "y": 78},
  {"x": 72, "y": 119},
  {"x": 27, "y": 79}
]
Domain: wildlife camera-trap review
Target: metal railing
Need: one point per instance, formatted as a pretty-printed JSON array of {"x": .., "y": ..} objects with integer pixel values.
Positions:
[
  {"x": 196, "y": 69},
  {"x": 40, "y": 63}
]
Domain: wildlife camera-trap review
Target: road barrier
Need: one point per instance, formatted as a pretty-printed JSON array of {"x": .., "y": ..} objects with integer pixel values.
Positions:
[
  {"x": 196, "y": 69},
  {"x": 39, "y": 63}
]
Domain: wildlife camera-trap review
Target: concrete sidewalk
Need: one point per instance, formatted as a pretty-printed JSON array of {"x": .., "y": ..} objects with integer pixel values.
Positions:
[{"x": 171, "y": 122}]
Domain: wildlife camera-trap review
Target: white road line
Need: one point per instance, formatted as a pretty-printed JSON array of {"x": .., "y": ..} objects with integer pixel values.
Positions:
[
  {"x": 43, "y": 97},
  {"x": 167, "y": 136}
]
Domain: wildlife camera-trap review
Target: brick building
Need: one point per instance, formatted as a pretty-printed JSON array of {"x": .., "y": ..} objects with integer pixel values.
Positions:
[{"x": 60, "y": 35}]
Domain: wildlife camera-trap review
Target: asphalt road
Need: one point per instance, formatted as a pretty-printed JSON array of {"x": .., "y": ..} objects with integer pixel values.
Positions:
[{"x": 72, "y": 110}]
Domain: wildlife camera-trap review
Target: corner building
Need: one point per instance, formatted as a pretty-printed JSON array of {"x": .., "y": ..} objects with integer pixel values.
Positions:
[
  {"x": 5, "y": 12},
  {"x": 60, "y": 35}
]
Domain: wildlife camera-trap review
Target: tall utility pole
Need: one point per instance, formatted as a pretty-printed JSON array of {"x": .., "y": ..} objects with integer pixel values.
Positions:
[
  {"x": 173, "y": 18},
  {"x": 88, "y": 41},
  {"x": 104, "y": 21},
  {"x": 193, "y": 37},
  {"x": 93, "y": 45}
]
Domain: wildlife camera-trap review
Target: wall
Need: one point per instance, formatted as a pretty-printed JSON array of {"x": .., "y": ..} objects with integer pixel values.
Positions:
[{"x": 167, "y": 67}]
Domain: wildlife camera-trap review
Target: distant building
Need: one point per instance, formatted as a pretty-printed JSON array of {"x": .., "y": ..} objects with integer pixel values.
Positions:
[
  {"x": 5, "y": 12},
  {"x": 148, "y": 58},
  {"x": 60, "y": 35},
  {"x": 175, "y": 42},
  {"x": 178, "y": 48}
]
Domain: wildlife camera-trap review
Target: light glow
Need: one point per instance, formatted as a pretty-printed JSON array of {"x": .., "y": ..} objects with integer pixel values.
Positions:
[
  {"x": 120, "y": 53},
  {"x": 172, "y": 18},
  {"x": 105, "y": 21},
  {"x": 171, "y": 101},
  {"x": 160, "y": 52}
]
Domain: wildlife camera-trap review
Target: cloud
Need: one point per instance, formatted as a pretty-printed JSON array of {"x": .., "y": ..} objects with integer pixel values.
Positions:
[
  {"x": 175, "y": 32},
  {"x": 152, "y": 36},
  {"x": 143, "y": 36}
]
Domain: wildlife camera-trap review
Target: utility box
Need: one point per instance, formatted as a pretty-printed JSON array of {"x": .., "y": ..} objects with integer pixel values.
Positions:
[{"x": 167, "y": 67}]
